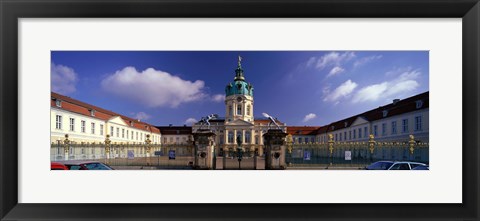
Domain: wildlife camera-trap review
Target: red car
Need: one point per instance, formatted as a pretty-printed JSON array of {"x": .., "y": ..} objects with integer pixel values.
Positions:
[
  {"x": 86, "y": 165},
  {"x": 57, "y": 166}
]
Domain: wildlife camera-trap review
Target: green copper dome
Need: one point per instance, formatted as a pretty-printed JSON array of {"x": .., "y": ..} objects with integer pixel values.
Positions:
[{"x": 239, "y": 86}]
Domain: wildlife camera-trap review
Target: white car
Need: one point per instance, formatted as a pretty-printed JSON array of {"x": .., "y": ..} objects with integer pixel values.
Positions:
[{"x": 394, "y": 165}]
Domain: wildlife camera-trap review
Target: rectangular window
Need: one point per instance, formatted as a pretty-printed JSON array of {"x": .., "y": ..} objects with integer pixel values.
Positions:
[
  {"x": 405, "y": 125},
  {"x": 418, "y": 123},
  {"x": 177, "y": 139},
  {"x": 230, "y": 111},
  {"x": 93, "y": 128},
  {"x": 394, "y": 127},
  {"x": 123, "y": 133},
  {"x": 132, "y": 136},
  {"x": 349, "y": 135},
  {"x": 247, "y": 137},
  {"x": 239, "y": 110},
  {"x": 230, "y": 136},
  {"x": 365, "y": 132},
  {"x": 359, "y": 132},
  {"x": 58, "y": 122},
  {"x": 118, "y": 132},
  {"x": 248, "y": 110},
  {"x": 72, "y": 124},
  {"x": 111, "y": 131},
  {"x": 384, "y": 129},
  {"x": 82, "y": 124},
  {"x": 345, "y": 135},
  {"x": 354, "y": 134},
  {"x": 127, "y": 134},
  {"x": 101, "y": 129},
  {"x": 340, "y": 138},
  {"x": 375, "y": 130},
  {"x": 136, "y": 136}
]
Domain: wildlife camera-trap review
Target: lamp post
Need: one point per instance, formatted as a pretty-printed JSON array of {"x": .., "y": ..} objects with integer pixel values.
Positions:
[
  {"x": 148, "y": 141},
  {"x": 371, "y": 146},
  {"x": 330, "y": 147},
  {"x": 107, "y": 147},
  {"x": 411, "y": 144},
  {"x": 239, "y": 151},
  {"x": 66, "y": 143}
]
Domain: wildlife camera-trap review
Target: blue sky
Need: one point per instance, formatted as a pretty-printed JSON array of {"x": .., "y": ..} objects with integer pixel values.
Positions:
[{"x": 298, "y": 87}]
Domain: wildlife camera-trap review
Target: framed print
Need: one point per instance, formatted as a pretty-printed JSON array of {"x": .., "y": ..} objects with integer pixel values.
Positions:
[{"x": 239, "y": 110}]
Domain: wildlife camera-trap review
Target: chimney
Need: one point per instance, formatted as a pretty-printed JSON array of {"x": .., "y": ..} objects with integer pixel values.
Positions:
[{"x": 395, "y": 101}]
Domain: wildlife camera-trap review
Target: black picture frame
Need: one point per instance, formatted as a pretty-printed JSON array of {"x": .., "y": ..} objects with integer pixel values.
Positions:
[{"x": 11, "y": 11}]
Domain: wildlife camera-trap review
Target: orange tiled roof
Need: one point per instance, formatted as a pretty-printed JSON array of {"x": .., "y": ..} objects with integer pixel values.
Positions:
[{"x": 83, "y": 108}]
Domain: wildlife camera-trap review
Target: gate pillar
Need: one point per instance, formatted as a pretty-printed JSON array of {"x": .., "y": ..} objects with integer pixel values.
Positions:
[
  {"x": 204, "y": 142},
  {"x": 275, "y": 147}
]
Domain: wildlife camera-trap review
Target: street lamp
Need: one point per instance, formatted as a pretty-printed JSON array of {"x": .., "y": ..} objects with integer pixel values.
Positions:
[
  {"x": 239, "y": 151},
  {"x": 148, "y": 141},
  {"x": 66, "y": 142},
  {"x": 107, "y": 146}
]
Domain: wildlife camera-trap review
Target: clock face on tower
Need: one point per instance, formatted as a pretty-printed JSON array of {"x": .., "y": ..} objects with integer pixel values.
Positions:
[{"x": 239, "y": 99}]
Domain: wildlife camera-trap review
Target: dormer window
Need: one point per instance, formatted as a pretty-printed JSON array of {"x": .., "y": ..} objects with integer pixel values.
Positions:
[
  {"x": 346, "y": 124},
  {"x": 92, "y": 113},
  {"x": 58, "y": 103},
  {"x": 385, "y": 113},
  {"x": 332, "y": 127},
  {"x": 419, "y": 104},
  {"x": 131, "y": 123}
]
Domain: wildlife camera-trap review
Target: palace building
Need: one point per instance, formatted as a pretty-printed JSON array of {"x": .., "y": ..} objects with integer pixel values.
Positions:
[
  {"x": 239, "y": 121},
  {"x": 86, "y": 123}
]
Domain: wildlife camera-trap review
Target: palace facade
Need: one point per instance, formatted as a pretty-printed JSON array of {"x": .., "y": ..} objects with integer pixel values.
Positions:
[{"x": 86, "y": 123}]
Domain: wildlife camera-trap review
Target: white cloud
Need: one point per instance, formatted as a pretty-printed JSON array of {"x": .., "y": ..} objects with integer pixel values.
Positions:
[
  {"x": 334, "y": 59},
  {"x": 63, "y": 79},
  {"x": 190, "y": 121},
  {"x": 309, "y": 116},
  {"x": 141, "y": 116},
  {"x": 345, "y": 89},
  {"x": 336, "y": 70},
  {"x": 218, "y": 98},
  {"x": 365, "y": 60},
  {"x": 153, "y": 88},
  {"x": 311, "y": 61},
  {"x": 389, "y": 89}
]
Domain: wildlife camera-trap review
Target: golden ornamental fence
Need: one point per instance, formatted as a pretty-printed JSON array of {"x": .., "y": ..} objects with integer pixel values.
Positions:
[{"x": 354, "y": 154}]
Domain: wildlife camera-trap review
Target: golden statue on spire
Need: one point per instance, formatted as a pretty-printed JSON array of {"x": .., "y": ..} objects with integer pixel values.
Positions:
[{"x": 239, "y": 60}]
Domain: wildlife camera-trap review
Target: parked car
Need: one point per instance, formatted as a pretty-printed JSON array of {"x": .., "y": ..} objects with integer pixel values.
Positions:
[
  {"x": 394, "y": 165},
  {"x": 421, "y": 167},
  {"x": 57, "y": 166},
  {"x": 86, "y": 165}
]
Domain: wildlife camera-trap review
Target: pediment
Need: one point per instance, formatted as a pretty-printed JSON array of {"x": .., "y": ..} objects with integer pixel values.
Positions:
[
  {"x": 359, "y": 121},
  {"x": 117, "y": 120}
]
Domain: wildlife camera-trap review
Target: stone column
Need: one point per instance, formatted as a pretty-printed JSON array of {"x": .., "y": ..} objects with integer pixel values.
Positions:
[
  {"x": 234, "y": 136},
  {"x": 252, "y": 136},
  {"x": 226, "y": 137},
  {"x": 275, "y": 148},
  {"x": 243, "y": 135}
]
